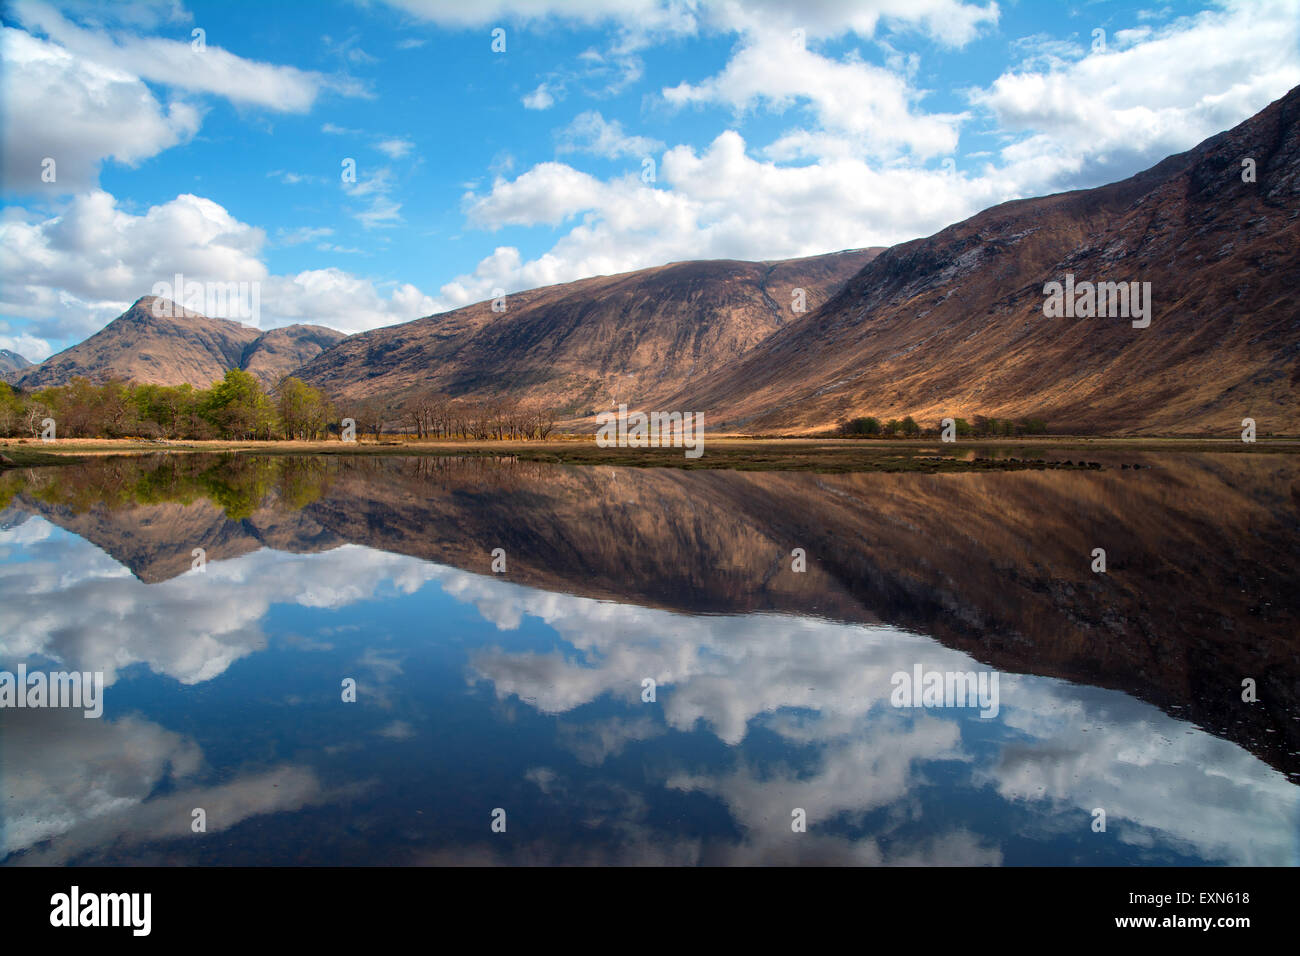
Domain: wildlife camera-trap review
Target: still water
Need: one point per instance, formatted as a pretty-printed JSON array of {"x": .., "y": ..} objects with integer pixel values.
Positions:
[{"x": 648, "y": 680}]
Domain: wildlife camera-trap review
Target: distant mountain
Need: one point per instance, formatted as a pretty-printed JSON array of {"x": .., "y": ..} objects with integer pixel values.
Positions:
[
  {"x": 11, "y": 364},
  {"x": 580, "y": 345},
  {"x": 185, "y": 347},
  {"x": 954, "y": 325},
  {"x": 277, "y": 353}
]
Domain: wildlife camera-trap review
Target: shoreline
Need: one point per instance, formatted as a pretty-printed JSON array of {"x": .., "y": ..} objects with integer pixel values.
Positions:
[{"x": 823, "y": 455}]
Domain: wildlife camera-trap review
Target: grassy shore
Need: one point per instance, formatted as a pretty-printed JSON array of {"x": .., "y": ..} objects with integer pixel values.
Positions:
[{"x": 739, "y": 453}]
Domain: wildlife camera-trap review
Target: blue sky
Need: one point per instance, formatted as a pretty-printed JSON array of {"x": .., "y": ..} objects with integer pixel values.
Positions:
[{"x": 772, "y": 130}]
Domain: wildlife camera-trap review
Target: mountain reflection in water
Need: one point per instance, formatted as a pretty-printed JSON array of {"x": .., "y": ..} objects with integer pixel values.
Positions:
[{"x": 523, "y": 690}]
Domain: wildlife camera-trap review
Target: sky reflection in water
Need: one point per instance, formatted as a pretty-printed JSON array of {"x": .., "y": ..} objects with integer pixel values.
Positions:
[{"x": 477, "y": 692}]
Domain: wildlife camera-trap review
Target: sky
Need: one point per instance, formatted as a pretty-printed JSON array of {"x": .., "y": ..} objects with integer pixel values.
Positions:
[{"x": 368, "y": 162}]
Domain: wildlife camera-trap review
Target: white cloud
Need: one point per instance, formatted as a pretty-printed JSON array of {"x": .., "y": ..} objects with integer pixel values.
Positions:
[
  {"x": 340, "y": 300},
  {"x": 375, "y": 188},
  {"x": 951, "y": 22},
  {"x": 454, "y": 13},
  {"x": 73, "y": 272},
  {"x": 28, "y": 346},
  {"x": 290, "y": 178},
  {"x": 592, "y": 133},
  {"x": 539, "y": 99},
  {"x": 395, "y": 148},
  {"x": 176, "y": 63},
  {"x": 718, "y": 203},
  {"x": 548, "y": 193},
  {"x": 871, "y": 105},
  {"x": 1107, "y": 114},
  {"x": 76, "y": 270},
  {"x": 296, "y": 237},
  {"x": 76, "y": 112}
]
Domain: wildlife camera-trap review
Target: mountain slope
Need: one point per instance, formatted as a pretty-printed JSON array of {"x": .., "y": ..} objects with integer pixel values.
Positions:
[
  {"x": 279, "y": 352},
  {"x": 954, "y": 324},
  {"x": 11, "y": 365},
  {"x": 187, "y": 347},
  {"x": 578, "y": 345}
]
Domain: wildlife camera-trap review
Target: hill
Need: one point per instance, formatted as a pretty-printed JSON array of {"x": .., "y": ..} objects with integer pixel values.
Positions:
[
  {"x": 11, "y": 365},
  {"x": 576, "y": 347},
  {"x": 954, "y": 324},
  {"x": 183, "y": 347}
]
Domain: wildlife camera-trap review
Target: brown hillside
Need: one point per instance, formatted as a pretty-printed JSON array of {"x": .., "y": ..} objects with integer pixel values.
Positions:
[
  {"x": 578, "y": 346},
  {"x": 953, "y": 325},
  {"x": 187, "y": 347}
]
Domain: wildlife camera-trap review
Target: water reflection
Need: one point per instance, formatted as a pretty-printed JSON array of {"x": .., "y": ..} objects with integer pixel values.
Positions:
[{"x": 523, "y": 691}]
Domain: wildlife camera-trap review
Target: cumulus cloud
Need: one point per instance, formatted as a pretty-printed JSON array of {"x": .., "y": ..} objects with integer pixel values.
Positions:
[
  {"x": 77, "y": 113},
  {"x": 76, "y": 94},
  {"x": 74, "y": 271},
  {"x": 539, "y": 99},
  {"x": 30, "y": 347},
  {"x": 71, "y": 273},
  {"x": 1150, "y": 93},
  {"x": 871, "y": 105},
  {"x": 395, "y": 148},
  {"x": 720, "y": 202},
  {"x": 340, "y": 300}
]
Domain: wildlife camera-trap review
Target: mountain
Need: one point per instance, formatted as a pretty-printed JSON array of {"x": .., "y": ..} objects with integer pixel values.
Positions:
[
  {"x": 954, "y": 324},
  {"x": 277, "y": 353},
  {"x": 11, "y": 365},
  {"x": 183, "y": 347},
  {"x": 577, "y": 346}
]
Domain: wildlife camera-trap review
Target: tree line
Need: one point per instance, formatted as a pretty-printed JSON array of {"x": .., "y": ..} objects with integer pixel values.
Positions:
[
  {"x": 978, "y": 427},
  {"x": 432, "y": 415},
  {"x": 238, "y": 408}
]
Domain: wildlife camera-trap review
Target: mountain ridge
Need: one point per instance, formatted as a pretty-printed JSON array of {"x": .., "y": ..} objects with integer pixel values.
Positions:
[
  {"x": 577, "y": 346},
  {"x": 11, "y": 365},
  {"x": 911, "y": 315},
  {"x": 179, "y": 347}
]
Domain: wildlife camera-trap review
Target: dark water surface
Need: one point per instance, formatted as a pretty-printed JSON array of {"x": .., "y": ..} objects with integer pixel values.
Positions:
[{"x": 523, "y": 691}]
